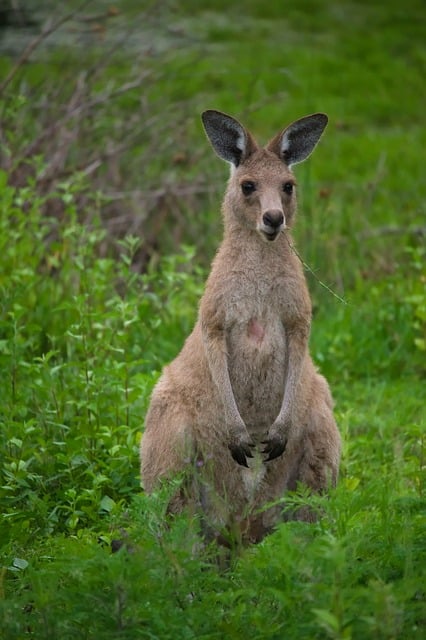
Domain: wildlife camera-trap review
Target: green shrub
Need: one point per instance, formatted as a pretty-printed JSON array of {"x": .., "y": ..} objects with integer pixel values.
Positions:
[{"x": 78, "y": 363}]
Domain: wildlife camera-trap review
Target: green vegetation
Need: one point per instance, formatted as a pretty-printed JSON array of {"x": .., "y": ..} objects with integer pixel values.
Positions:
[{"x": 109, "y": 201}]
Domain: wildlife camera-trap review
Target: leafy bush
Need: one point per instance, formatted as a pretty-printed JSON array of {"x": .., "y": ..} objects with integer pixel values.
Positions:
[
  {"x": 78, "y": 362},
  {"x": 383, "y": 337},
  {"x": 79, "y": 359}
]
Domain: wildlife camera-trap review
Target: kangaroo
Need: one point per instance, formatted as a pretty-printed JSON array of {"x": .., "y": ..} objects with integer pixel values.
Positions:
[{"x": 242, "y": 412}]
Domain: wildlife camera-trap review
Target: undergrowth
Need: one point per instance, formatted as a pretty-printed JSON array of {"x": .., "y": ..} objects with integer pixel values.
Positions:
[{"x": 82, "y": 340}]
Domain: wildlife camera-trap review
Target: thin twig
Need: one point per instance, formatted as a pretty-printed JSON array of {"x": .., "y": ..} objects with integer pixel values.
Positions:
[
  {"x": 155, "y": 194},
  {"x": 107, "y": 96},
  {"x": 97, "y": 101},
  {"x": 392, "y": 230},
  {"x": 48, "y": 29},
  {"x": 308, "y": 268}
]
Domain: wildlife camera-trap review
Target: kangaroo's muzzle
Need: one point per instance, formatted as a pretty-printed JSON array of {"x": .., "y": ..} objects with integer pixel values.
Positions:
[{"x": 273, "y": 222}]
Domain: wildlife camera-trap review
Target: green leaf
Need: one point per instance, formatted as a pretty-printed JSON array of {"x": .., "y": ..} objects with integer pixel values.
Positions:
[
  {"x": 420, "y": 344},
  {"x": 20, "y": 564},
  {"x": 327, "y": 619},
  {"x": 351, "y": 483},
  {"x": 107, "y": 504}
]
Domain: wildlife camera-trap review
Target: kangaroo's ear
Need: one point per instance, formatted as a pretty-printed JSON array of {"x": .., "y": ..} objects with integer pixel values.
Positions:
[
  {"x": 298, "y": 140},
  {"x": 231, "y": 141}
]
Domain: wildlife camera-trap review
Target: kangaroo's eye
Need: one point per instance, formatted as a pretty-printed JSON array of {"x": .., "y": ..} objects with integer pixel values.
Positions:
[
  {"x": 288, "y": 187},
  {"x": 247, "y": 187}
]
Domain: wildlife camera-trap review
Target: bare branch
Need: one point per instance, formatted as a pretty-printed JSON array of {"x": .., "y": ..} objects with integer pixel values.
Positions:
[
  {"x": 48, "y": 29},
  {"x": 393, "y": 230},
  {"x": 80, "y": 108}
]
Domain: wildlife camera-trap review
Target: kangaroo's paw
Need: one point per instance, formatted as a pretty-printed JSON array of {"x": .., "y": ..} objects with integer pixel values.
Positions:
[
  {"x": 240, "y": 452},
  {"x": 274, "y": 446}
]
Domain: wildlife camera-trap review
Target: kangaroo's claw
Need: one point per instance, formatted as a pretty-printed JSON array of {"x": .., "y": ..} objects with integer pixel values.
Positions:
[
  {"x": 275, "y": 447},
  {"x": 240, "y": 453}
]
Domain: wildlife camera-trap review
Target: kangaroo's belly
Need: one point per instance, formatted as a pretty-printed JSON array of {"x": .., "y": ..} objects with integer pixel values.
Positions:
[{"x": 257, "y": 368}]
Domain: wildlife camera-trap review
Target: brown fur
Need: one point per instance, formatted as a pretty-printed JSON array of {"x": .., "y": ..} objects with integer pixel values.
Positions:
[{"x": 242, "y": 410}]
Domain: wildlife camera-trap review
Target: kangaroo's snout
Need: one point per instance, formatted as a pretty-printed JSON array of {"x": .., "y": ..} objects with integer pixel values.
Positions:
[
  {"x": 273, "y": 219},
  {"x": 272, "y": 223}
]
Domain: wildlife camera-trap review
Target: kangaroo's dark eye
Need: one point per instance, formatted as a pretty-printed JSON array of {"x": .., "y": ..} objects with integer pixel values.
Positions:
[
  {"x": 288, "y": 187},
  {"x": 247, "y": 187}
]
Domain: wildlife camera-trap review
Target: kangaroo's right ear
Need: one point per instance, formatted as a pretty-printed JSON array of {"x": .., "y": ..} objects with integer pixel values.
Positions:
[{"x": 231, "y": 141}]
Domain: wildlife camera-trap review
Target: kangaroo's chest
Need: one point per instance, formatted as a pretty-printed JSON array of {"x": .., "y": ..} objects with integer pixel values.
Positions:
[
  {"x": 256, "y": 350},
  {"x": 255, "y": 318}
]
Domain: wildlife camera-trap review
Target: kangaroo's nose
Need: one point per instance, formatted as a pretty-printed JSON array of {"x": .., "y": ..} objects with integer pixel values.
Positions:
[{"x": 273, "y": 218}]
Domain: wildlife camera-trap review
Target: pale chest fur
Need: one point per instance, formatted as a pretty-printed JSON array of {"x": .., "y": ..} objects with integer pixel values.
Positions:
[
  {"x": 256, "y": 349},
  {"x": 253, "y": 476}
]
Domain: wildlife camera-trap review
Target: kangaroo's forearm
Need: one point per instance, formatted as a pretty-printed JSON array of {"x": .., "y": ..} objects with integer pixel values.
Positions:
[
  {"x": 217, "y": 359},
  {"x": 296, "y": 352}
]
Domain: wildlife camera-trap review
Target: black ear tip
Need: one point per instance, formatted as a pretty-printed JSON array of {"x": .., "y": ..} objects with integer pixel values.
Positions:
[
  {"x": 219, "y": 117},
  {"x": 211, "y": 113},
  {"x": 322, "y": 118},
  {"x": 210, "y": 118}
]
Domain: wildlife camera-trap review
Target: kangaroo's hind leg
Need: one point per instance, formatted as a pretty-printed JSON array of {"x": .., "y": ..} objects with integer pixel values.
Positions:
[
  {"x": 167, "y": 446},
  {"x": 318, "y": 465},
  {"x": 171, "y": 446}
]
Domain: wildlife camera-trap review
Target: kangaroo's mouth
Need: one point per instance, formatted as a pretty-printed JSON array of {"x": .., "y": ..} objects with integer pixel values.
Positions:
[
  {"x": 270, "y": 228},
  {"x": 270, "y": 234}
]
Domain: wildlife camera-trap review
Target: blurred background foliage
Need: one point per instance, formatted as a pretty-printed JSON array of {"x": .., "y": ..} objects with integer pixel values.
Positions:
[{"x": 109, "y": 217}]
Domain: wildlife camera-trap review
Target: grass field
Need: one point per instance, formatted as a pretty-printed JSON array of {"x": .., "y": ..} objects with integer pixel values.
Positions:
[{"x": 108, "y": 222}]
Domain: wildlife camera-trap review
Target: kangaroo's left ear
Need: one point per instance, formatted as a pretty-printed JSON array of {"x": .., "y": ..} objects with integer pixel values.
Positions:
[{"x": 298, "y": 140}]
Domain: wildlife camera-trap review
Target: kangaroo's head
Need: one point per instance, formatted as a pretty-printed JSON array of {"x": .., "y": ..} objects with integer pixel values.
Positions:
[{"x": 261, "y": 193}]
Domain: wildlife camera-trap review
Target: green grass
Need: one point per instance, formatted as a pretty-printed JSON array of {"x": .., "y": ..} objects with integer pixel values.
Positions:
[{"x": 89, "y": 315}]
